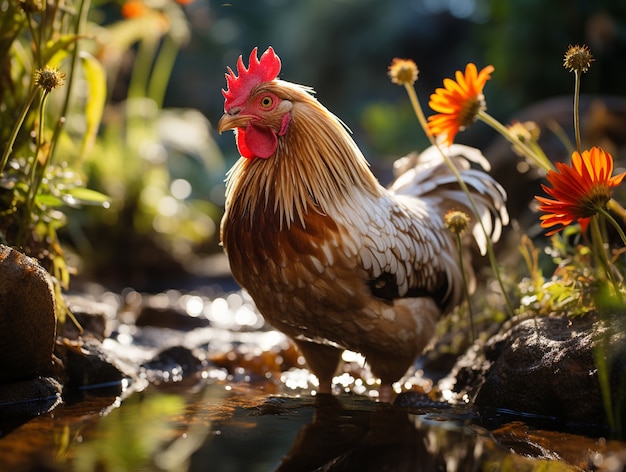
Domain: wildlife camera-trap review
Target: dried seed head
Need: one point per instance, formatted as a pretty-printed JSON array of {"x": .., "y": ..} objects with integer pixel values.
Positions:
[
  {"x": 578, "y": 58},
  {"x": 403, "y": 71},
  {"x": 456, "y": 221},
  {"x": 49, "y": 78},
  {"x": 527, "y": 131}
]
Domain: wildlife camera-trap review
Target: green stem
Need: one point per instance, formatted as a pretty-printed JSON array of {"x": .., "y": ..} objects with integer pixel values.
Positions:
[
  {"x": 490, "y": 252},
  {"x": 42, "y": 33},
  {"x": 538, "y": 158},
  {"x": 459, "y": 247},
  {"x": 600, "y": 252},
  {"x": 163, "y": 66},
  {"x": 36, "y": 38},
  {"x": 576, "y": 111},
  {"x": 617, "y": 208},
  {"x": 138, "y": 87},
  {"x": 32, "y": 172},
  {"x": 41, "y": 171},
  {"x": 599, "y": 357},
  {"x": 538, "y": 151},
  {"x": 420, "y": 113},
  {"x": 16, "y": 128},
  {"x": 34, "y": 182},
  {"x": 142, "y": 68},
  {"x": 614, "y": 223}
]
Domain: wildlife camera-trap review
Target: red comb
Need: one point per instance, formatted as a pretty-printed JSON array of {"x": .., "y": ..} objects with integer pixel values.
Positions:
[{"x": 259, "y": 71}]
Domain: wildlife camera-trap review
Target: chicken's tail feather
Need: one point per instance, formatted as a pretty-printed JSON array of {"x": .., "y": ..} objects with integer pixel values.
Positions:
[{"x": 428, "y": 177}]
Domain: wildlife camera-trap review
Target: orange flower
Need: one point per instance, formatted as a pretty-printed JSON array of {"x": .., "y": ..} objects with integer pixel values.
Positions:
[
  {"x": 580, "y": 190},
  {"x": 133, "y": 9},
  {"x": 459, "y": 102}
]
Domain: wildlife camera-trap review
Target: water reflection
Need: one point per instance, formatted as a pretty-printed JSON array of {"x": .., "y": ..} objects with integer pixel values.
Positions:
[
  {"x": 350, "y": 433},
  {"x": 223, "y": 427},
  {"x": 129, "y": 437},
  {"x": 151, "y": 431}
]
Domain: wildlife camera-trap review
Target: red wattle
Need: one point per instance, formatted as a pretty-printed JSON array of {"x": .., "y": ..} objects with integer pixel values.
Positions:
[
  {"x": 241, "y": 144},
  {"x": 256, "y": 141}
]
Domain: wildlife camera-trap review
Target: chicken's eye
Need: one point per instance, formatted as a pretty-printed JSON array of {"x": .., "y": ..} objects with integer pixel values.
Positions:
[{"x": 266, "y": 101}]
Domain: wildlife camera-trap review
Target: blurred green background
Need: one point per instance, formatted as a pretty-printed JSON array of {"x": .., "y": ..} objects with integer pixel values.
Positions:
[{"x": 341, "y": 48}]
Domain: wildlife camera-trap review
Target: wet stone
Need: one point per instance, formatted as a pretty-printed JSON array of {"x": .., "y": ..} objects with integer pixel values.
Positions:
[
  {"x": 418, "y": 401},
  {"x": 29, "y": 398},
  {"x": 546, "y": 368},
  {"x": 174, "y": 364},
  {"x": 89, "y": 367},
  {"x": 27, "y": 316},
  {"x": 169, "y": 317},
  {"x": 92, "y": 316}
]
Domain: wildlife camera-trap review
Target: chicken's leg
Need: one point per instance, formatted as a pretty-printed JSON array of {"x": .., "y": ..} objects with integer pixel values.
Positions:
[
  {"x": 388, "y": 370},
  {"x": 322, "y": 359}
]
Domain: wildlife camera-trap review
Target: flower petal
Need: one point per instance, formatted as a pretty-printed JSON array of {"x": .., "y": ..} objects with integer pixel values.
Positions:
[
  {"x": 455, "y": 98},
  {"x": 578, "y": 190}
]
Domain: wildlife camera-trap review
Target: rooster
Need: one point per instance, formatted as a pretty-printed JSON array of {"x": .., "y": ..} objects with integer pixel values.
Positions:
[{"x": 330, "y": 257}]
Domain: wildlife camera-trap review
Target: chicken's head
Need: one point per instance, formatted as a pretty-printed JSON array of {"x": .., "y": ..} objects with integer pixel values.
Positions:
[{"x": 256, "y": 112}]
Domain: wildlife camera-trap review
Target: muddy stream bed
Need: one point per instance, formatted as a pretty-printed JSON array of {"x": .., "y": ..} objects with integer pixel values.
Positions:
[{"x": 197, "y": 382}]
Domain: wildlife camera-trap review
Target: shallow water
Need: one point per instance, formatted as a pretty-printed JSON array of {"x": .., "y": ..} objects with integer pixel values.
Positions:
[{"x": 253, "y": 408}]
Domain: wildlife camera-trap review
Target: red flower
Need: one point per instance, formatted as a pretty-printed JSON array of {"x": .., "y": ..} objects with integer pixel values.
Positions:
[{"x": 579, "y": 191}]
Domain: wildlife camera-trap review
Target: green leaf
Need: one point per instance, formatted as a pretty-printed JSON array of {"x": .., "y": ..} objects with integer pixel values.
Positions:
[
  {"x": 48, "y": 200},
  {"x": 85, "y": 196},
  {"x": 95, "y": 77},
  {"x": 59, "y": 48}
]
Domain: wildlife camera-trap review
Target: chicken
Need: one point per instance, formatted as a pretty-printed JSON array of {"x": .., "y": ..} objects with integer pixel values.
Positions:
[{"x": 330, "y": 257}]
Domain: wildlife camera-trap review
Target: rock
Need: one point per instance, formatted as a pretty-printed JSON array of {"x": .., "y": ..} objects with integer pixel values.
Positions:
[
  {"x": 545, "y": 367},
  {"x": 27, "y": 316},
  {"x": 173, "y": 364},
  {"x": 92, "y": 316},
  {"x": 88, "y": 367},
  {"x": 29, "y": 398},
  {"x": 169, "y": 317},
  {"x": 419, "y": 401}
]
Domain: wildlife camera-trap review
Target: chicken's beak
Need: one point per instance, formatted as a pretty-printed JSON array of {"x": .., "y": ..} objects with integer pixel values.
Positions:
[{"x": 228, "y": 121}]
